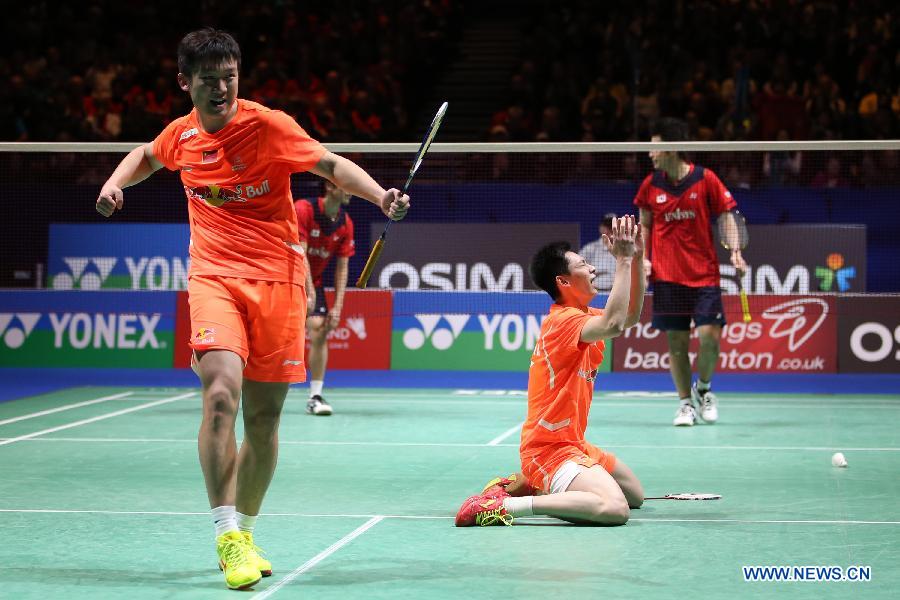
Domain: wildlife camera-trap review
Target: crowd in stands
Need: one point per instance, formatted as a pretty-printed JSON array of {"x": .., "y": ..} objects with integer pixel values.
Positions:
[
  {"x": 734, "y": 70},
  {"x": 105, "y": 71},
  {"x": 589, "y": 71}
]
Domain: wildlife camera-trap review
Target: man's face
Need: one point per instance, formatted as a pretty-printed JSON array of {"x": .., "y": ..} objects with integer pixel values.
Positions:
[
  {"x": 660, "y": 159},
  {"x": 334, "y": 192},
  {"x": 582, "y": 278},
  {"x": 213, "y": 88}
]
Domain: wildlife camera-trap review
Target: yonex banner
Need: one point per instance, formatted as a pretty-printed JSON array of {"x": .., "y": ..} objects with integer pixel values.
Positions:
[
  {"x": 86, "y": 329},
  {"x": 788, "y": 334},
  {"x": 446, "y": 331},
  {"x": 463, "y": 256},
  {"x": 118, "y": 256}
]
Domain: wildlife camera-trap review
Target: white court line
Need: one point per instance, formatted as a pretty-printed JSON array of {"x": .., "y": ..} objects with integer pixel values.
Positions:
[
  {"x": 50, "y": 411},
  {"x": 321, "y": 556},
  {"x": 95, "y": 419},
  {"x": 443, "y": 518},
  {"x": 467, "y": 445},
  {"x": 496, "y": 441}
]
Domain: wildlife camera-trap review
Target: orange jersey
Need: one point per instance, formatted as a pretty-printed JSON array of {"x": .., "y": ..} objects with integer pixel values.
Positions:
[
  {"x": 238, "y": 186},
  {"x": 560, "y": 386}
]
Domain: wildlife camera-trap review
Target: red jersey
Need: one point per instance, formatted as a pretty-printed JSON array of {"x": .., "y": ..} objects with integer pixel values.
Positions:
[
  {"x": 238, "y": 185},
  {"x": 325, "y": 237},
  {"x": 560, "y": 387},
  {"x": 682, "y": 248}
]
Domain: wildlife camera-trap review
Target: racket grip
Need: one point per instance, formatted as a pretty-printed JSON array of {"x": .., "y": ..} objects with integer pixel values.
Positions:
[
  {"x": 745, "y": 306},
  {"x": 370, "y": 264}
]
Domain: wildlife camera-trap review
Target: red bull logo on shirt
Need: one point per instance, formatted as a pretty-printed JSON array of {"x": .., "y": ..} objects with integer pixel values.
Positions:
[{"x": 216, "y": 195}]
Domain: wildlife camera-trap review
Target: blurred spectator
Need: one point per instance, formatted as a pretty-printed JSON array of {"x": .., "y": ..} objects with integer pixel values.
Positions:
[{"x": 831, "y": 176}]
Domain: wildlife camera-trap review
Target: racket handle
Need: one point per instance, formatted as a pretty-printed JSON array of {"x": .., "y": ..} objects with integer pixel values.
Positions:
[
  {"x": 370, "y": 264},
  {"x": 745, "y": 306}
]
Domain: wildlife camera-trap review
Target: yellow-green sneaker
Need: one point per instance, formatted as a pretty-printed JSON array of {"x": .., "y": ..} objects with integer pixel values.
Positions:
[
  {"x": 264, "y": 566},
  {"x": 235, "y": 561}
]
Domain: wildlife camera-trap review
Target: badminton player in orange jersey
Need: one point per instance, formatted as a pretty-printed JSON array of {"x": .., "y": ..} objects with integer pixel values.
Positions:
[
  {"x": 576, "y": 481},
  {"x": 247, "y": 275}
]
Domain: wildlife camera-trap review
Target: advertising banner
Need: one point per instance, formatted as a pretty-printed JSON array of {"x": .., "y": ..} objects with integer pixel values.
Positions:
[
  {"x": 362, "y": 339},
  {"x": 447, "y": 331},
  {"x": 463, "y": 256},
  {"x": 800, "y": 259},
  {"x": 130, "y": 256},
  {"x": 86, "y": 329},
  {"x": 788, "y": 334},
  {"x": 869, "y": 334}
]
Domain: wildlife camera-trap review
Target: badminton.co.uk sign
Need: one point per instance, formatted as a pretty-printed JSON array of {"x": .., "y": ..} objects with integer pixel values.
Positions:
[
  {"x": 86, "y": 329},
  {"x": 787, "y": 334},
  {"x": 469, "y": 331}
]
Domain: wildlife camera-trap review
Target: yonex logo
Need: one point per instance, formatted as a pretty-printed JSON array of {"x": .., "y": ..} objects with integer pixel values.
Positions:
[
  {"x": 441, "y": 337},
  {"x": 16, "y": 327},
  {"x": 79, "y": 277},
  {"x": 293, "y": 363},
  {"x": 661, "y": 199}
]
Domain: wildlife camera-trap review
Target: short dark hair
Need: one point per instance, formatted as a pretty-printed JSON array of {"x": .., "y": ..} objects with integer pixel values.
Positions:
[
  {"x": 207, "y": 46},
  {"x": 672, "y": 130},
  {"x": 548, "y": 263}
]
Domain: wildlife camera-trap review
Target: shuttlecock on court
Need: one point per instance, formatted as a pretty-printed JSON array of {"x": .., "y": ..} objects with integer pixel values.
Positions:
[{"x": 838, "y": 460}]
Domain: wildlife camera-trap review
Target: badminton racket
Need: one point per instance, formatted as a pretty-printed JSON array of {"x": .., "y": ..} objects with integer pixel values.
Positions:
[
  {"x": 379, "y": 245},
  {"x": 687, "y": 496},
  {"x": 733, "y": 236}
]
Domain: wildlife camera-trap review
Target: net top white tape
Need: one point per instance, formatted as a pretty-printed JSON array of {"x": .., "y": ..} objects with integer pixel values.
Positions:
[{"x": 521, "y": 147}]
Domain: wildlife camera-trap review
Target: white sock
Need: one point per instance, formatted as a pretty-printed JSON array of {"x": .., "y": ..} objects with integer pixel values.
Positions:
[
  {"x": 315, "y": 387},
  {"x": 225, "y": 518},
  {"x": 519, "y": 507},
  {"x": 703, "y": 386},
  {"x": 246, "y": 522}
]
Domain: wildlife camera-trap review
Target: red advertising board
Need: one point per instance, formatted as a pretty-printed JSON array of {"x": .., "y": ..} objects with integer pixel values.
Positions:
[
  {"x": 362, "y": 340},
  {"x": 788, "y": 334}
]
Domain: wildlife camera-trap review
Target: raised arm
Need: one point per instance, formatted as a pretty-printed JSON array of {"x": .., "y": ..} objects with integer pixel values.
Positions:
[
  {"x": 613, "y": 320},
  {"x": 348, "y": 176},
  {"x": 137, "y": 166},
  {"x": 638, "y": 281}
]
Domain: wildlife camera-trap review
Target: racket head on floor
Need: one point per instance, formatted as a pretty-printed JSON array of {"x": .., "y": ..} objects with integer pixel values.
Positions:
[{"x": 687, "y": 496}]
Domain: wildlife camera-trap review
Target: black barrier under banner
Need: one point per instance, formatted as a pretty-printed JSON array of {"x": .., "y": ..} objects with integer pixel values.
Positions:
[
  {"x": 464, "y": 256},
  {"x": 800, "y": 259},
  {"x": 869, "y": 334}
]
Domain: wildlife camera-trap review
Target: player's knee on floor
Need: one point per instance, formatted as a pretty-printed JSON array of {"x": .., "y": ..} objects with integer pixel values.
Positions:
[{"x": 611, "y": 511}]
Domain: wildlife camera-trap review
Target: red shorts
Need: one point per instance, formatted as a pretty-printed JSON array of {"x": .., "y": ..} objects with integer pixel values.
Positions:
[
  {"x": 540, "y": 467},
  {"x": 263, "y": 322}
]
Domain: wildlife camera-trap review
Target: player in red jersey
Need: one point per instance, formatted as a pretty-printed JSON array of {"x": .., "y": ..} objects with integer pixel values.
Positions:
[
  {"x": 678, "y": 203},
  {"x": 326, "y": 230},
  {"x": 247, "y": 275},
  {"x": 576, "y": 481}
]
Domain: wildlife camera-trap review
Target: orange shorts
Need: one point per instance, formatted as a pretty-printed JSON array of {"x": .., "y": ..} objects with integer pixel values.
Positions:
[
  {"x": 263, "y": 322},
  {"x": 540, "y": 468}
]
